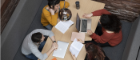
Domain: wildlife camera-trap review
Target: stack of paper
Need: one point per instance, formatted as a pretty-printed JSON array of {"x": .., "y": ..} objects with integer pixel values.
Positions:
[
  {"x": 64, "y": 26},
  {"x": 61, "y": 50},
  {"x": 78, "y": 36},
  {"x": 76, "y": 47}
]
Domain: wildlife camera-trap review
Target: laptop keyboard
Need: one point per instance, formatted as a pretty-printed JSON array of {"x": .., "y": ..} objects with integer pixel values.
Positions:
[{"x": 84, "y": 26}]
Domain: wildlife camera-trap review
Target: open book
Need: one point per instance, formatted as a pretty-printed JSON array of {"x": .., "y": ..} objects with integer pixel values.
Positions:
[
  {"x": 76, "y": 47},
  {"x": 64, "y": 26}
]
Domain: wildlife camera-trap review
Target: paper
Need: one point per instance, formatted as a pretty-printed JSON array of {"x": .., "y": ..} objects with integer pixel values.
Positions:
[
  {"x": 78, "y": 36},
  {"x": 76, "y": 47},
  {"x": 63, "y": 26},
  {"x": 61, "y": 50}
]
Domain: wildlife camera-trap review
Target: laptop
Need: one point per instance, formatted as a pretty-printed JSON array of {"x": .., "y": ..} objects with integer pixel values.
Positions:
[
  {"x": 61, "y": 50},
  {"x": 82, "y": 25}
]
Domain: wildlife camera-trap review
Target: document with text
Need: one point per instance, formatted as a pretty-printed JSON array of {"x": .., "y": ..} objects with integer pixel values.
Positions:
[
  {"x": 63, "y": 26},
  {"x": 76, "y": 47}
]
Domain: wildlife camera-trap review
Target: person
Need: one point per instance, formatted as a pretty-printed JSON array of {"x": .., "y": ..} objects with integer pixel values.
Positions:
[
  {"x": 50, "y": 13},
  {"x": 94, "y": 52},
  {"x": 35, "y": 41},
  {"x": 108, "y": 32}
]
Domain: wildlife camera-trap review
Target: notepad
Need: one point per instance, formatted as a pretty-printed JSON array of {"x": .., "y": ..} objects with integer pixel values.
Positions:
[
  {"x": 77, "y": 36},
  {"x": 76, "y": 47},
  {"x": 61, "y": 50},
  {"x": 63, "y": 26}
]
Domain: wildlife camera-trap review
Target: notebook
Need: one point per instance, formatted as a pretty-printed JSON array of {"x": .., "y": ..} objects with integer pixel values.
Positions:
[{"x": 78, "y": 36}]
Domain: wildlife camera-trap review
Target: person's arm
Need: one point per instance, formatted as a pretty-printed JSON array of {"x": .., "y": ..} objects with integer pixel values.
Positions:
[
  {"x": 51, "y": 18},
  {"x": 49, "y": 52},
  {"x": 52, "y": 49},
  {"x": 80, "y": 40},
  {"x": 100, "y": 12},
  {"x": 54, "y": 41},
  {"x": 74, "y": 58},
  {"x": 105, "y": 37},
  {"x": 45, "y": 32},
  {"x": 96, "y": 13},
  {"x": 53, "y": 38},
  {"x": 36, "y": 52},
  {"x": 48, "y": 33}
]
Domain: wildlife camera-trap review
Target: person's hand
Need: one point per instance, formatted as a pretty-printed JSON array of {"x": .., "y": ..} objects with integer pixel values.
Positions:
[
  {"x": 52, "y": 11},
  {"x": 89, "y": 32},
  {"x": 87, "y": 15},
  {"x": 54, "y": 46},
  {"x": 73, "y": 56},
  {"x": 80, "y": 40}
]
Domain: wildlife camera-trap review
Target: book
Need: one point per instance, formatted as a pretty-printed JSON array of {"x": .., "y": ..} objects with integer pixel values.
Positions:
[
  {"x": 75, "y": 47},
  {"x": 63, "y": 26}
]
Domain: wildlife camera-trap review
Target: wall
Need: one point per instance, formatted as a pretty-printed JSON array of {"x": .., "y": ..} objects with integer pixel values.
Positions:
[
  {"x": 18, "y": 25},
  {"x": 8, "y": 6}
]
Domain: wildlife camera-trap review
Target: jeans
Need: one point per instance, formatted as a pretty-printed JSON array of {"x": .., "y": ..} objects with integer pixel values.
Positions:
[
  {"x": 32, "y": 56},
  {"x": 49, "y": 27}
]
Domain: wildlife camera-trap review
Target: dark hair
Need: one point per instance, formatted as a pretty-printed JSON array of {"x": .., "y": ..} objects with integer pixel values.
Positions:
[
  {"x": 53, "y": 3},
  {"x": 36, "y": 37},
  {"x": 110, "y": 22},
  {"x": 94, "y": 52}
]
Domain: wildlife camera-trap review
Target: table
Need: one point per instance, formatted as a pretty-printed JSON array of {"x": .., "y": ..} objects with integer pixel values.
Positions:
[{"x": 86, "y": 6}]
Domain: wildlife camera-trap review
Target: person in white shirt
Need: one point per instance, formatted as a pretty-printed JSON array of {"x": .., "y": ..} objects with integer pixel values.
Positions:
[{"x": 34, "y": 42}]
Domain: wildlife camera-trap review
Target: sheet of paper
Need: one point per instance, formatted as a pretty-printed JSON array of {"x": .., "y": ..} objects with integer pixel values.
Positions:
[
  {"x": 76, "y": 47},
  {"x": 61, "y": 50},
  {"x": 78, "y": 36},
  {"x": 63, "y": 26},
  {"x": 68, "y": 23}
]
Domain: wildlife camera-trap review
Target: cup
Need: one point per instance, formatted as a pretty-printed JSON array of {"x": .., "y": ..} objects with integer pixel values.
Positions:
[{"x": 77, "y": 4}]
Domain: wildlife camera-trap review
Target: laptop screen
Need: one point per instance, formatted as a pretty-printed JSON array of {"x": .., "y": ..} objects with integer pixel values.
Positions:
[{"x": 78, "y": 22}]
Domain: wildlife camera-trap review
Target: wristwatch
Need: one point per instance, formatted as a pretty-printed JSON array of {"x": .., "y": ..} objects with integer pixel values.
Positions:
[{"x": 54, "y": 41}]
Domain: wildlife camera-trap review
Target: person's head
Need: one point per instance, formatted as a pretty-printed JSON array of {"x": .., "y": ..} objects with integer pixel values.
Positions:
[
  {"x": 54, "y": 4},
  {"x": 37, "y": 37},
  {"x": 110, "y": 22},
  {"x": 93, "y": 52}
]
